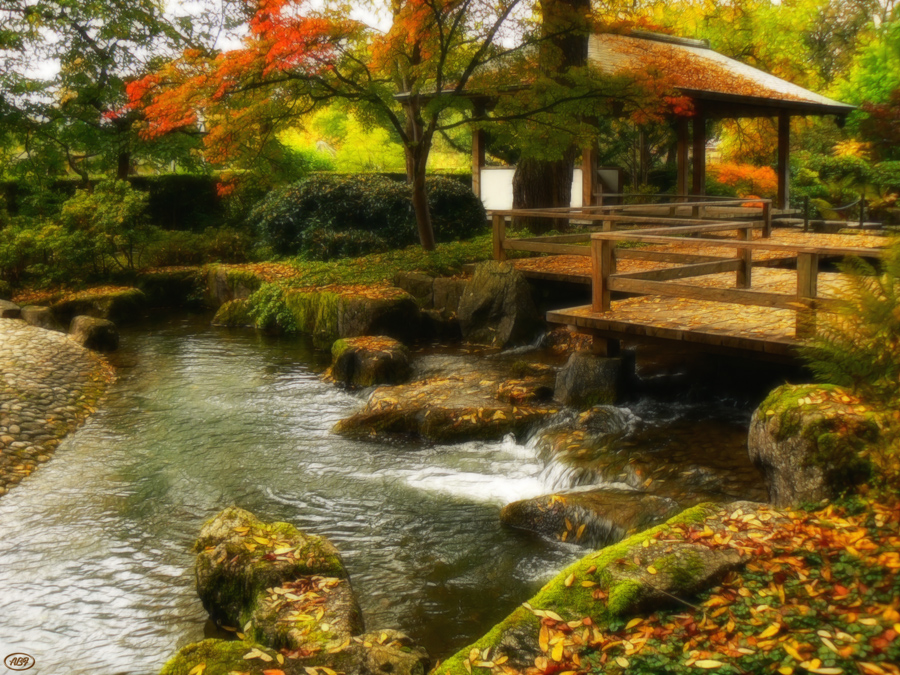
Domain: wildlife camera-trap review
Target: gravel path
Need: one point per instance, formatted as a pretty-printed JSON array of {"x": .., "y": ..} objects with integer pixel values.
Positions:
[{"x": 48, "y": 386}]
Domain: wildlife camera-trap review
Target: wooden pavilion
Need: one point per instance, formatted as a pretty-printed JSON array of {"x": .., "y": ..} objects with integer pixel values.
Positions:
[{"x": 719, "y": 88}]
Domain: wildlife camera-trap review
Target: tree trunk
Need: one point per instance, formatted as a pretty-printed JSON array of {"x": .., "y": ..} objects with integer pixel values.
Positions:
[
  {"x": 123, "y": 165},
  {"x": 417, "y": 149},
  {"x": 548, "y": 183},
  {"x": 543, "y": 184}
]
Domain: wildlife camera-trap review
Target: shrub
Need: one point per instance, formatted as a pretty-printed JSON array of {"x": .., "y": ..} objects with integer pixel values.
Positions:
[
  {"x": 304, "y": 217},
  {"x": 746, "y": 179},
  {"x": 188, "y": 248},
  {"x": 114, "y": 216},
  {"x": 858, "y": 347}
]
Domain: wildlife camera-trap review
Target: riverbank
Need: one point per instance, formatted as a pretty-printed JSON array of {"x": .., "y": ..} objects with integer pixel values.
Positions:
[{"x": 48, "y": 387}]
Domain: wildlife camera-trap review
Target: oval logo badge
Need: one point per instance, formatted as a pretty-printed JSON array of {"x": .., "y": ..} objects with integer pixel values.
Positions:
[{"x": 19, "y": 661}]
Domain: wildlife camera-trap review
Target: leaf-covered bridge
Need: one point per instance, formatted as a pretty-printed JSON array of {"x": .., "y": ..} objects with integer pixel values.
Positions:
[{"x": 701, "y": 271}]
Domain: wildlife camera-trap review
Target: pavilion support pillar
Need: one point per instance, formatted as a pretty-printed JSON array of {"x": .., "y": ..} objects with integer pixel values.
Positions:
[
  {"x": 699, "y": 182},
  {"x": 477, "y": 160},
  {"x": 682, "y": 158},
  {"x": 588, "y": 174},
  {"x": 479, "y": 141},
  {"x": 783, "y": 199}
]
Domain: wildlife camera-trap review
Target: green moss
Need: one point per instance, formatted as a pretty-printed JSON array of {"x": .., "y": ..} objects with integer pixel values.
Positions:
[
  {"x": 575, "y": 601},
  {"x": 623, "y": 595},
  {"x": 220, "y": 656},
  {"x": 784, "y": 404},
  {"x": 241, "y": 277},
  {"x": 234, "y": 313}
]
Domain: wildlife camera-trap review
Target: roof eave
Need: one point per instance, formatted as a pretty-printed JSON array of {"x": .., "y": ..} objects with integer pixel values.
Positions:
[{"x": 758, "y": 105}]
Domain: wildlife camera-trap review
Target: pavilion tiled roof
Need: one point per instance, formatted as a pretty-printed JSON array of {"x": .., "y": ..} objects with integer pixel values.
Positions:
[{"x": 702, "y": 73}]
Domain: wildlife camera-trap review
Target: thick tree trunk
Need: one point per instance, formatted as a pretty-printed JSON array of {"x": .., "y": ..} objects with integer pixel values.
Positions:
[
  {"x": 123, "y": 165},
  {"x": 543, "y": 184},
  {"x": 417, "y": 153}
]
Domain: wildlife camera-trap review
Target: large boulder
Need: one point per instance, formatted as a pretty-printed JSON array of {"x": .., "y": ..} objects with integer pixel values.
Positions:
[
  {"x": 497, "y": 308},
  {"x": 592, "y": 517},
  {"x": 119, "y": 304},
  {"x": 448, "y": 293},
  {"x": 812, "y": 443},
  {"x": 419, "y": 286},
  {"x": 371, "y": 360},
  {"x": 239, "y": 557},
  {"x": 9, "y": 310},
  {"x": 333, "y": 312},
  {"x": 588, "y": 380},
  {"x": 90, "y": 332},
  {"x": 40, "y": 317},
  {"x": 224, "y": 284},
  {"x": 451, "y": 409},
  {"x": 287, "y": 597}
]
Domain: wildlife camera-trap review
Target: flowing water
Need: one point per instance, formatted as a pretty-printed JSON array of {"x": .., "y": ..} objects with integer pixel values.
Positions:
[{"x": 95, "y": 565}]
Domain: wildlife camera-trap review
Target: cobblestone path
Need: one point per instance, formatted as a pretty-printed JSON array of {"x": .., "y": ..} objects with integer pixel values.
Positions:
[{"x": 48, "y": 386}]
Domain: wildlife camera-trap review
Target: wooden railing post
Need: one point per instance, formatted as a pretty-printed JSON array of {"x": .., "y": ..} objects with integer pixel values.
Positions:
[
  {"x": 601, "y": 268},
  {"x": 767, "y": 220},
  {"x": 807, "y": 289},
  {"x": 744, "y": 278},
  {"x": 499, "y": 223}
]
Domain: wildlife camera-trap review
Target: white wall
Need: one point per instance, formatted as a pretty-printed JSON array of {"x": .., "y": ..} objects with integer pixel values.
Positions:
[{"x": 496, "y": 187}]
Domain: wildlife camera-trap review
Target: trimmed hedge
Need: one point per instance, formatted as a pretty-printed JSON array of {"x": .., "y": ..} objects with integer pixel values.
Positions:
[{"x": 326, "y": 216}]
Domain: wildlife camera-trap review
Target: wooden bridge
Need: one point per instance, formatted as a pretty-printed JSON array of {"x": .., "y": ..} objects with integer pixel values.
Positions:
[{"x": 706, "y": 272}]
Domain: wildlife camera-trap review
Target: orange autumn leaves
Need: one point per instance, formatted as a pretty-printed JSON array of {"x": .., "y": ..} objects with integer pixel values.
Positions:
[{"x": 818, "y": 595}]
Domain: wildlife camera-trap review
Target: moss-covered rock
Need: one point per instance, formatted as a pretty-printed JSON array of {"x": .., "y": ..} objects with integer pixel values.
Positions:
[
  {"x": 588, "y": 380},
  {"x": 235, "y": 314},
  {"x": 90, "y": 332},
  {"x": 9, "y": 310},
  {"x": 497, "y": 308},
  {"x": 224, "y": 284},
  {"x": 334, "y": 312},
  {"x": 448, "y": 410},
  {"x": 239, "y": 557},
  {"x": 812, "y": 443},
  {"x": 559, "y": 623},
  {"x": 592, "y": 517},
  {"x": 117, "y": 304},
  {"x": 386, "y": 652},
  {"x": 40, "y": 317},
  {"x": 367, "y": 361},
  {"x": 309, "y": 614}
]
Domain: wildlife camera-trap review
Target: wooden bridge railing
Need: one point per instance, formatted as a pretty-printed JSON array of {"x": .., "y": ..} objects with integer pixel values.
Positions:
[
  {"x": 804, "y": 301},
  {"x": 746, "y": 214}
]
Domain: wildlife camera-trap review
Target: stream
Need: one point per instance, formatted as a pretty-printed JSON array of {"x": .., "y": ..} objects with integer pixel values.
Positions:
[{"x": 96, "y": 567}]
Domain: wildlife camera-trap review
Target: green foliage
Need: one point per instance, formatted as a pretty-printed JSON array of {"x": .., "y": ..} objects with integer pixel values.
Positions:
[
  {"x": 114, "y": 216},
  {"x": 323, "y": 216},
  {"x": 858, "y": 347},
  {"x": 224, "y": 245},
  {"x": 267, "y": 307}
]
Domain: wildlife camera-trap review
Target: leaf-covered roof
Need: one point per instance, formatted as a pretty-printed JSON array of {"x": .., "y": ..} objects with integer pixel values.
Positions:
[{"x": 702, "y": 73}]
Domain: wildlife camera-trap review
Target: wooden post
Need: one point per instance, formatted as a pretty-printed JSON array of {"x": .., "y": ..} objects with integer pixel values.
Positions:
[
  {"x": 609, "y": 226},
  {"x": 682, "y": 160},
  {"x": 601, "y": 268},
  {"x": 784, "y": 159},
  {"x": 807, "y": 289},
  {"x": 604, "y": 346},
  {"x": 477, "y": 160},
  {"x": 499, "y": 237},
  {"x": 699, "y": 168},
  {"x": 767, "y": 220},
  {"x": 744, "y": 277},
  {"x": 588, "y": 174}
]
